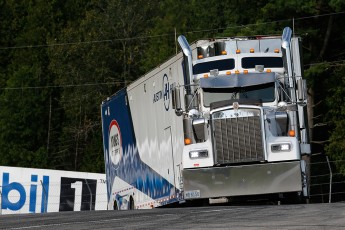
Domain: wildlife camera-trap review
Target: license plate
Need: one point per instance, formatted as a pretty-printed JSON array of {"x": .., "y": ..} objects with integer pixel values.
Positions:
[{"x": 192, "y": 194}]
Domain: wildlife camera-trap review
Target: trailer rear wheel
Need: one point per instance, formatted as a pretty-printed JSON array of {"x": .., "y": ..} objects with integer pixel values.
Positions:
[
  {"x": 115, "y": 206},
  {"x": 131, "y": 203}
]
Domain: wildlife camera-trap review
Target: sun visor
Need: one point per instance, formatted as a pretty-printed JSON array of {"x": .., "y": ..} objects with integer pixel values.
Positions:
[{"x": 238, "y": 80}]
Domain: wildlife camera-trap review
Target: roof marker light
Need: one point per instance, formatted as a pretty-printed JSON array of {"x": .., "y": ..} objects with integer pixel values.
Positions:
[
  {"x": 245, "y": 71},
  {"x": 228, "y": 72},
  {"x": 200, "y": 56},
  {"x": 238, "y": 51},
  {"x": 276, "y": 50},
  {"x": 268, "y": 70},
  {"x": 237, "y": 72},
  {"x": 205, "y": 75},
  {"x": 224, "y": 52},
  {"x": 251, "y": 50}
]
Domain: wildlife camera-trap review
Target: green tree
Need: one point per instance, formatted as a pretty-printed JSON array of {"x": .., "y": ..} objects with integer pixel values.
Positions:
[
  {"x": 24, "y": 117},
  {"x": 335, "y": 100},
  {"x": 101, "y": 57}
]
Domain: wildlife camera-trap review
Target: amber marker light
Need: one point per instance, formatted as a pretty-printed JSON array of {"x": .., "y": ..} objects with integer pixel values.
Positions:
[
  {"x": 238, "y": 51},
  {"x": 251, "y": 50},
  {"x": 292, "y": 133},
  {"x": 200, "y": 57},
  {"x": 276, "y": 50},
  {"x": 268, "y": 70},
  {"x": 187, "y": 141},
  {"x": 237, "y": 72},
  {"x": 205, "y": 75},
  {"x": 228, "y": 72},
  {"x": 245, "y": 71},
  {"x": 224, "y": 52}
]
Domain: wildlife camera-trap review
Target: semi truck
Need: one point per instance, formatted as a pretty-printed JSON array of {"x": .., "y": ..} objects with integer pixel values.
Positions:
[{"x": 223, "y": 118}]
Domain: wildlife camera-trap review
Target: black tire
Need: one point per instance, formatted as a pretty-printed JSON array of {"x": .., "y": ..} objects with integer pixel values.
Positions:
[
  {"x": 115, "y": 206},
  {"x": 131, "y": 203},
  {"x": 197, "y": 203},
  {"x": 294, "y": 198}
]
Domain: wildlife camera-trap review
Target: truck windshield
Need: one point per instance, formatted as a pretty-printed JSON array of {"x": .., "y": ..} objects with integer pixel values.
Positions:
[
  {"x": 265, "y": 93},
  {"x": 268, "y": 62},
  {"x": 205, "y": 67}
]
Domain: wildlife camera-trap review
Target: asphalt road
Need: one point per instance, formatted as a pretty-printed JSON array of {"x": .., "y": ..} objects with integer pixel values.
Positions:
[{"x": 311, "y": 216}]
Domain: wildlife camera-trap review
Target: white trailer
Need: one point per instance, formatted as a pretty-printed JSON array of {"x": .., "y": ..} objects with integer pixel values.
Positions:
[{"x": 223, "y": 118}]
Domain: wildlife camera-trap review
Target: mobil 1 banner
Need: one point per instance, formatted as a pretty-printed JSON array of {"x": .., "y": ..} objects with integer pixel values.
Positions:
[
  {"x": 28, "y": 190},
  {"x": 77, "y": 194}
]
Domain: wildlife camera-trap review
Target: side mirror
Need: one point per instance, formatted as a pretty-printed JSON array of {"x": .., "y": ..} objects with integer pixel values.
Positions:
[
  {"x": 176, "y": 101},
  {"x": 302, "y": 88}
]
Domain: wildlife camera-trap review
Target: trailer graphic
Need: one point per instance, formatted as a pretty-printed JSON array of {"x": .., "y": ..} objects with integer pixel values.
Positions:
[{"x": 223, "y": 118}]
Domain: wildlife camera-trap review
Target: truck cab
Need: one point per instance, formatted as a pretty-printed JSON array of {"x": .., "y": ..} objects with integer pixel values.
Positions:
[{"x": 244, "y": 121}]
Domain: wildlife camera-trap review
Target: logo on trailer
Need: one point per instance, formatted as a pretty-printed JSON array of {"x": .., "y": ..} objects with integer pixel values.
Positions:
[
  {"x": 115, "y": 143},
  {"x": 164, "y": 93}
]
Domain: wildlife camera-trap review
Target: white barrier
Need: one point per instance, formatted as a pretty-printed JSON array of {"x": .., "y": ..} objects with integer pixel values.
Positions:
[{"x": 28, "y": 190}]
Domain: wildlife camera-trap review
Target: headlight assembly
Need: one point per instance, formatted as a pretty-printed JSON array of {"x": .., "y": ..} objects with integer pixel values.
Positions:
[
  {"x": 282, "y": 147},
  {"x": 198, "y": 154}
]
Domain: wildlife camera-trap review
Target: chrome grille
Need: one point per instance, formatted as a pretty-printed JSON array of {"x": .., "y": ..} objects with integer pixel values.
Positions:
[{"x": 238, "y": 139}]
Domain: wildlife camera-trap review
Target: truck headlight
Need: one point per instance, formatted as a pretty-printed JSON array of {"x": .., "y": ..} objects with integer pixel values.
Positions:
[
  {"x": 198, "y": 154},
  {"x": 283, "y": 147}
]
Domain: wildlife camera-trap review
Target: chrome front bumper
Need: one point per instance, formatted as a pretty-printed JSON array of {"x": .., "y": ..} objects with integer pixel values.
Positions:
[{"x": 242, "y": 180}]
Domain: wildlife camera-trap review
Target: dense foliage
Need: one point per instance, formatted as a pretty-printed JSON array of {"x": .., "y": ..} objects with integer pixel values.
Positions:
[{"x": 60, "y": 59}]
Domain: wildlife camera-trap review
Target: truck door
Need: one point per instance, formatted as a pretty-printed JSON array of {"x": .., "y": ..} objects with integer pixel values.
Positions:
[{"x": 169, "y": 156}]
